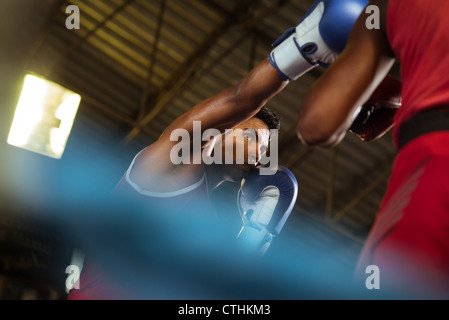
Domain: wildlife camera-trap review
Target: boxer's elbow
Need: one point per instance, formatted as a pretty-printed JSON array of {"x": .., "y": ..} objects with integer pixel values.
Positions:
[
  {"x": 315, "y": 135},
  {"x": 317, "y": 125},
  {"x": 313, "y": 130}
]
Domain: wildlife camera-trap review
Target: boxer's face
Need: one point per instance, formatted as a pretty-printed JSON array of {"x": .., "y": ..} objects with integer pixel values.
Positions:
[{"x": 248, "y": 142}]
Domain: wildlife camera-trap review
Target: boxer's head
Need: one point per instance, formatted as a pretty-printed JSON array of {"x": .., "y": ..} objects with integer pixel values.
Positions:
[{"x": 244, "y": 145}]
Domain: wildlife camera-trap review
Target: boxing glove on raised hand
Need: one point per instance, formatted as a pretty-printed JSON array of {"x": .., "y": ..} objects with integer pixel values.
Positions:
[
  {"x": 376, "y": 117},
  {"x": 265, "y": 202},
  {"x": 317, "y": 39}
]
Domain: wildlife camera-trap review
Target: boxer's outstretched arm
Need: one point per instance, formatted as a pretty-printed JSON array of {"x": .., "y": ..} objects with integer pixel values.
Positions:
[
  {"x": 223, "y": 111},
  {"x": 328, "y": 106},
  {"x": 235, "y": 104}
]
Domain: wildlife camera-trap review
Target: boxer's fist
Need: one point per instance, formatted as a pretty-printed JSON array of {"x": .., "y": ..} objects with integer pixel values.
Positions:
[
  {"x": 376, "y": 116},
  {"x": 265, "y": 202},
  {"x": 318, "y": 38}
]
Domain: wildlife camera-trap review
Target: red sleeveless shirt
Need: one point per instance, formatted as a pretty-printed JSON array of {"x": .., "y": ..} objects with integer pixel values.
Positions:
[{"x": 419, "y": 36}]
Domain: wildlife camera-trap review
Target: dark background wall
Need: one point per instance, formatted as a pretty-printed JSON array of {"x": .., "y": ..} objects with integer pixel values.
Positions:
[{"x": 32, "y": 256}]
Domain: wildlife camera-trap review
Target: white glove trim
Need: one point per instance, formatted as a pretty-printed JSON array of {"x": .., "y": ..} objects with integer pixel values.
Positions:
[
  {"x": 290, "y": 56},
  {"x": 263, "y": 208}
]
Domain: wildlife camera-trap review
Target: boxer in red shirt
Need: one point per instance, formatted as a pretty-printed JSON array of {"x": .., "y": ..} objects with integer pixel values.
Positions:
[{"x": 409, "y": 240}]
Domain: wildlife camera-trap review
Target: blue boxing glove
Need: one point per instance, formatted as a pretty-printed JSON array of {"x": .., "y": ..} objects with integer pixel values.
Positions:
[
  {"x": 317, "y": 39},
  {"x": 265, "y": 202}
]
